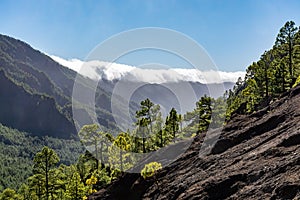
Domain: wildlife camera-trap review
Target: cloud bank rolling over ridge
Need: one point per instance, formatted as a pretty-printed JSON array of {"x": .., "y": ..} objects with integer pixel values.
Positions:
[{"x": 115, "y": 71}]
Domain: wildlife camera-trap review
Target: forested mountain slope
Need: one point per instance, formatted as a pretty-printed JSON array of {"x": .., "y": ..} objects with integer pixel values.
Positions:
[
  {"x": 35, "y": 113},
  {"x": 36, "y": 91},
  {"x": 256, "y": 157},
  {"x": 17, "y": 150}
]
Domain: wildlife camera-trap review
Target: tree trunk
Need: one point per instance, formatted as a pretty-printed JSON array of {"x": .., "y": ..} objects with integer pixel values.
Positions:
[
  {"x": 121, "y": 159},
  {"x": 144, "y": 148},
  {"x": 161, "y": 138},
  {"x": 76, "y": 191},
  {"x": 97, "y": 158},
  {"x": 267, "y": 83},
  {"x": 290, "y": 58},
  {"x": 47, "y": 178},
  {"x": 101, "y": 154},
  {"x": 174, "y": 131},
  {"x": 283, "y": 83}
]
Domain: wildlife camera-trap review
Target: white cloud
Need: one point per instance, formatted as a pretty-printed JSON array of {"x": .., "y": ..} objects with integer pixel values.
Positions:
[
  {"x": 73, "y": 64},
  {"x": 115, "y": 71}
]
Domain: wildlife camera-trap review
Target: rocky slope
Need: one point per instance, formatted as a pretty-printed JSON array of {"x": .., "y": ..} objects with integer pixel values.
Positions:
[{"x": 256, "y": 157}]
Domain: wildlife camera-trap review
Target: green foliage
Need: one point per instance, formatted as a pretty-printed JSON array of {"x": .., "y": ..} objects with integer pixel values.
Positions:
[
  {"x": 103, "y": 178},
  {"x": 119, "y": 157},
  {"x": 44, "y": 162},
  {"x": 272, "y": 75},
  {"x": 146, "y": 116},
  {"x": 219, "y": 112},
  {"x": 172, "y": 123},
  {"x": 297, "y": 81},
  {"x": 150, "y": 169},
  {"x": 200, "y": 117},
  {"x": 75, "y": 188},
  {"x": 24, "y": 191},
  {"x": 92, "y": 137},
  {"x": 285, "y": 43},
  {"x": 90, "y": 182},
  {"x": 160, "y": 137},
  {"x": 36, "y": 185},
  {"x": 50, "y": 181},
  {"x": 10, "y": 194},
  {"x": 17, "y": 150}
]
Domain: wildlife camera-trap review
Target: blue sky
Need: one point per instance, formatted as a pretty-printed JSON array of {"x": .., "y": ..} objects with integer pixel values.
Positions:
[{"x": 234, "y": 33}]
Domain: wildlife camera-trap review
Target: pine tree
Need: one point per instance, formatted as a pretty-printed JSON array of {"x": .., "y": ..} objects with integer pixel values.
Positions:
[
  {"x": 200, "y": 117},
  {"x": 98, "y": 140},
  {"x": 219, "y": 112},
  {"x": 265, "y": 72},
  {"x": 44, "y": 162},
  {"x": 143, "y": 131},
  {"x": 159, "y": 133},
  {"x": 119, "y": 156},
  {"x": 75, "y": 188},
  {"x": 172, "y": 123},
  {"x": 285, "y": 42},
  {"x": 146, "y": 118},
  {"x": 145, "y": 112}
]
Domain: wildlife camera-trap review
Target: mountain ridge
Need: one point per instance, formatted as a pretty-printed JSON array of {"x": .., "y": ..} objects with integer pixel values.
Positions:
[
  {"x": 35, "y": 72},
  {"x": 39, "y": 74}
]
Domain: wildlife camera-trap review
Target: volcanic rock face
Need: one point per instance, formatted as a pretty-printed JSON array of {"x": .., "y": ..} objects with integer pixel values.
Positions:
[{"x": 256, "y": 157}]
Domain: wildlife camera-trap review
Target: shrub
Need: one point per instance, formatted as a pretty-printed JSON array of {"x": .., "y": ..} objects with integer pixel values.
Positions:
[{"x": 150, "y": 169}]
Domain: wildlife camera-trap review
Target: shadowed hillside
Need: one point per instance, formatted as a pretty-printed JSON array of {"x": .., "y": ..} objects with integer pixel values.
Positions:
[
  {"x": 26, "y": 111},
  {"x": 36, "y": 92}
]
